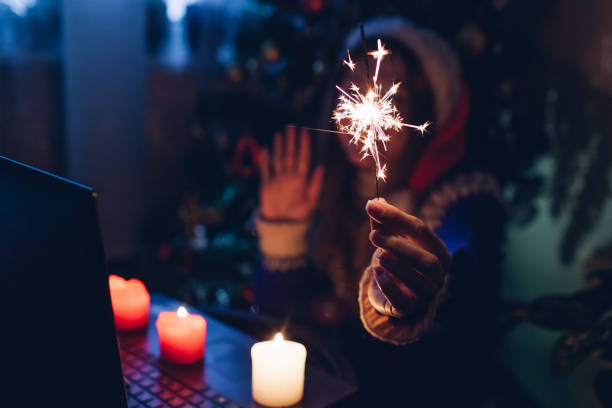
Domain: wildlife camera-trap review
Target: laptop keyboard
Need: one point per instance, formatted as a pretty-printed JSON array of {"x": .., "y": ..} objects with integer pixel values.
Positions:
[{"x": 149, "y": 386}]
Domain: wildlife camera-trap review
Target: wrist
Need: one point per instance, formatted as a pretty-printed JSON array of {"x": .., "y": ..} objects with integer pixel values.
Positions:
[
  {"x": 398, "y": 331},
  {"x": 276, "y": 219},
  {"x": 282, "y": 238}
]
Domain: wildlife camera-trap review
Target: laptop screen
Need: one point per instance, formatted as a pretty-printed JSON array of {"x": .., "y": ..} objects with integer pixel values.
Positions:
[{"x": 58, "y": 338}]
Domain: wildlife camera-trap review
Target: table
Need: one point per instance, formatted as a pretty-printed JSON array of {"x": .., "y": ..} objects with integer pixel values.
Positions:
[{"x": 227, "y": 365}]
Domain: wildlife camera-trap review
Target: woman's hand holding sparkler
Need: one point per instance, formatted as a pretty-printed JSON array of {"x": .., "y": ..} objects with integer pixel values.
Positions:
[
  {"x": 410, "y": 264},
  {"x": 288, "y": 191}
]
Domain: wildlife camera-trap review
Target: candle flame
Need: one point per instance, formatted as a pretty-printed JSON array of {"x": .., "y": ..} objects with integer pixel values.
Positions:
[
  {"x": 182, "y": 311},
  {"x": 369, "y": 116},
  {"x": 278, "y": 337}
]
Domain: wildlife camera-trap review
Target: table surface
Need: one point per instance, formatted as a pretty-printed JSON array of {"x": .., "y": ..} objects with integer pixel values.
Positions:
[{"x": 227, "y": 365}]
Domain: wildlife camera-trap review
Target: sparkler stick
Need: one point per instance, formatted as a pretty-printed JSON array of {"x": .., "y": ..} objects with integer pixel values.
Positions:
[{"x": 365, "y": 52}]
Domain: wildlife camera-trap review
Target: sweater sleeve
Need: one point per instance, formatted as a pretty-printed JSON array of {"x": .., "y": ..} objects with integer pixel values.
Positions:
[
  {"x": 282, "y": 275},
  {"x": 472, "y": 231}
]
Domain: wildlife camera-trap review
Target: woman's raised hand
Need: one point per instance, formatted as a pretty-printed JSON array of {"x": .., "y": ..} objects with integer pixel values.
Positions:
[
  {"x": 288, "y": 191},
  {"x": 410, "y": 264}
]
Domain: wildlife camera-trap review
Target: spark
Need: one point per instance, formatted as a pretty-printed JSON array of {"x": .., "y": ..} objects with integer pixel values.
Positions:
[
  {"x": 378, "y": 55},
  {"x": 369, "y": 116},
  {"x": 382, "y": 173},
  {"x": 350, "y": 62}
]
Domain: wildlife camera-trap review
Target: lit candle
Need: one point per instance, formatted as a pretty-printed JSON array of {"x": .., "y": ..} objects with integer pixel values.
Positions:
[
  {"x": 278, "y": 372},
  {"x": 181, "y": 336},
  {"x": 131, "y": 301}
]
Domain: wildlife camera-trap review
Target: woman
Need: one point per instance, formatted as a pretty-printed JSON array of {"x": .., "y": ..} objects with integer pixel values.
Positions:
[{"x": 436, "y": 235}]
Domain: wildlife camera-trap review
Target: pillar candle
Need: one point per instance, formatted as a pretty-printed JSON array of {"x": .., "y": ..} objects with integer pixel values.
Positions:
[
  {"x": 181, "y": 336},
  {"x": 131, "y": 301},
  {"x": 278, "y": 372}
]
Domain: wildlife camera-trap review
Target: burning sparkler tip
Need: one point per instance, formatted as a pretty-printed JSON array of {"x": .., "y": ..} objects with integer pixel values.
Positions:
[{"x": 368, "y": 116}]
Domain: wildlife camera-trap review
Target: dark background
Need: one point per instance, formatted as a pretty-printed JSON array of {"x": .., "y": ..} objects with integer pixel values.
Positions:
[{"x": 160, "y": 106}]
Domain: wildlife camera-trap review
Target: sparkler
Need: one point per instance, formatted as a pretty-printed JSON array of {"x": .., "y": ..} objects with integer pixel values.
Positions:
[{"x": 369, "y": 116}]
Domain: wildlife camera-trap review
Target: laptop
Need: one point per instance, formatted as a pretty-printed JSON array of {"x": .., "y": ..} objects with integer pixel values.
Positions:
[{"x": 58, "y": 344}]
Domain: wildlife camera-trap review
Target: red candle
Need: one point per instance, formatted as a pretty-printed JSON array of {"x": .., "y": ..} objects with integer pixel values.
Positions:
[
  {"x": 131, "y": 302},
  {"x": 181, "y": 336}
]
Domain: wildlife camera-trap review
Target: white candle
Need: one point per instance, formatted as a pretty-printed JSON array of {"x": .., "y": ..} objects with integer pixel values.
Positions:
[{"x": 278, "y": 372}]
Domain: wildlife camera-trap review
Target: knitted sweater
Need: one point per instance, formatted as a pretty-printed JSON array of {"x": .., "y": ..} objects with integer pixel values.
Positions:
[{"x": 465, "y": 211}]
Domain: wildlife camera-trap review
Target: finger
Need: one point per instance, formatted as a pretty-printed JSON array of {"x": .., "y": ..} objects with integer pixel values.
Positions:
[
  {"x": 393, "y": 218},
  {"x": 278, "y": 153},
  {"x": 403, "y": 302},
  {"x": 316, "y": 183},
  {"x": 373, "y": 223},
  {"x": 264, "y": 166},
  {"x": 290, "y": 145},
  {"x": 425, "y": 262},
  {"x": 304, "y": 154},
  {"x": 418, "y": 283}
]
